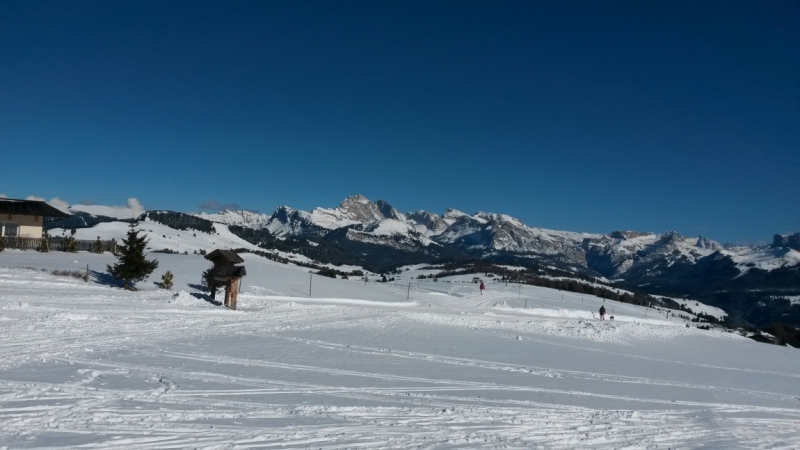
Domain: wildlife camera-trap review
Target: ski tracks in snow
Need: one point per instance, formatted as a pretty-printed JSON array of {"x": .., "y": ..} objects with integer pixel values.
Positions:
[{"x": 85, "y": 366}]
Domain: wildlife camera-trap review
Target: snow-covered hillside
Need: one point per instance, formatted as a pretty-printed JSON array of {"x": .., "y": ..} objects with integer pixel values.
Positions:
[
  {"x": 131, "y": 210},
  {"x": 246, "y": 219},
  {"x": 162, "y": 237},
  {"x": 409, "y": 364}
]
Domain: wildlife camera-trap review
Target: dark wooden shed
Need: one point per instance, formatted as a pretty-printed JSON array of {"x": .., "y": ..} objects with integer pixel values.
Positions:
[{"x": 226, "y": 272}]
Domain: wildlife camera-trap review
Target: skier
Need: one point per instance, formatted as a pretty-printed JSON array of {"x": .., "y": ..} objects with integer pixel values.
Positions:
[
  {"x": 602, "y": 313},
  {"x": 483, "y": 288}
]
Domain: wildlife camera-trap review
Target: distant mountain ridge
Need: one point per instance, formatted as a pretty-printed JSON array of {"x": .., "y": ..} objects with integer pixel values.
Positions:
[
  {"x": 755, "y": 283},
  {"x": 617, "y": 255}
]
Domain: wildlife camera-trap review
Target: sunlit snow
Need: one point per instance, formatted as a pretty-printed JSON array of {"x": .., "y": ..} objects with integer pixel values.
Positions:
[{"x": 310, "y": 361}]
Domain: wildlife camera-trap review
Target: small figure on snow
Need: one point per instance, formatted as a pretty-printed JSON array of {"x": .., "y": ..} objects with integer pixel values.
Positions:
[
  {"x": 482, "y": 287},
  {"x": 602, "y": 313}
]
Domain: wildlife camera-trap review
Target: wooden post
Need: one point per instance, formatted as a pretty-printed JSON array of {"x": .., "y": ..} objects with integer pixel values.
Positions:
[
  {"x": 231, "y": 292},
  {"x": 408, "y": 294},
  {"x": 526, "y": 303},
  {"x": 87, "y": 273},
  {"x": 311, "y": 275}
]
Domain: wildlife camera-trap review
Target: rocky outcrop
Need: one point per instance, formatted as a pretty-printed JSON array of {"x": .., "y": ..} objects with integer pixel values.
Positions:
[
  {"x": 286, "y": 221},
  {"x": 431, "y": 223},
  {"x": 706, "y": 243},
  {"x": 789, "y": 240}
]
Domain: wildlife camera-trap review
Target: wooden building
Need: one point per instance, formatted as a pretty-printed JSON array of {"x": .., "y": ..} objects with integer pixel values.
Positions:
[
  {"x": 25, "y": 218},
  {"x": 226, "y": 273}
]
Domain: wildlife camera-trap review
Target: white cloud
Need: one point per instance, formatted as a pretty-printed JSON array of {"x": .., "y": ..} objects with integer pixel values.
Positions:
[
  {"x": 131, "y": 210},
  {"x": 33, "y": 197},
  {"x": 135, "y": 205},
  {"x": 57, "y": 203},
  {"x": 3, "y": 196}
]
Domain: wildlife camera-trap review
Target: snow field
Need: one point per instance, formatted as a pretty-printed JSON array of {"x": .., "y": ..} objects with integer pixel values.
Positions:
[{"x": 87, "y": 365}]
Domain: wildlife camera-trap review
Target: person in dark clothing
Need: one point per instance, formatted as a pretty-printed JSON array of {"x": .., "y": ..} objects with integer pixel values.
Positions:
[
  {"x": 482, "y": 287},
  {"x": 602, "y": 313}
]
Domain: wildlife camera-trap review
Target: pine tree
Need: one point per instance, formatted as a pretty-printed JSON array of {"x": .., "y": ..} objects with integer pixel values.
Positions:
[
  {"x": 2, "y": 243},
  {"x": 132, "y": 265},
  {"x": 211, "y": 285},
  {"x": 166, "y": 280},
  {"x": 44, "y": 246},
  {"x": 71, "y": 245},
  {"x": 97, "y": 247}
]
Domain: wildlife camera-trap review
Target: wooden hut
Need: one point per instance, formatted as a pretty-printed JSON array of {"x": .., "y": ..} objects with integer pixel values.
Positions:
[{"x": 226, "y": 272}]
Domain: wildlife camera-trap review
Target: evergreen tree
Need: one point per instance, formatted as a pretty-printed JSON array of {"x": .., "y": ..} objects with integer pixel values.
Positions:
[
  {"x": 2, "y": 243},
  {"x": 211, "y": 285},
  {"x": 166, "y": 280},
  {"x": 44, "y": 246},
  {"x": 97, "y": 247},
  {"x": 71, "y": 245},
  {"x": 132, "y": 265}
]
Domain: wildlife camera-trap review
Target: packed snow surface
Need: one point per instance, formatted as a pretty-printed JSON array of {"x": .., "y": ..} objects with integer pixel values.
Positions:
[{"x": 308, "y": 361}]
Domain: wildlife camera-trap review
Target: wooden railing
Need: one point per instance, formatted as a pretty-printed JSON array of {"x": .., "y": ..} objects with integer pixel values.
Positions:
[{"x": 56, "y": 243}]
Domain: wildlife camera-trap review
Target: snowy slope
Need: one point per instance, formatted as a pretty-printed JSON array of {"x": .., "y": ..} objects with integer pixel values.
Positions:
[
  {"x": 242, "y": 218},
  {"x": 500, "y": 232},
  {"x": 764, "y": 258},
  {"x": 621, "y": 252},
  {"x": 163, "y": 237},
  {"x": 374, "y": 365},
  {"x": 132, "y": 210}
]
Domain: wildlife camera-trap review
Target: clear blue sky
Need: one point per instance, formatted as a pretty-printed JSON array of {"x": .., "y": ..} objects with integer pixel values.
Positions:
[{"x": 583, "y": 116}]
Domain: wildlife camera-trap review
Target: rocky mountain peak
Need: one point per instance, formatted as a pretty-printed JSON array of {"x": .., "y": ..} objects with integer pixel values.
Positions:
[
  {"x": 790, "y": 240},
  {"x": 353, "y": 200},
  {"x": 671, "y": 237},
  {"x": 624, "y": 235},
  {"x": 358, "y": 208},
  {"x": 453, "y": 214},
  {"x": 704, "y": 242},
  {"x": 387, "y": 210}
]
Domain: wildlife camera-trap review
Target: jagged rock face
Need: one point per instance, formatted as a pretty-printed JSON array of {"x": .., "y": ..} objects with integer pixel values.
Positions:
[
  {"x": 706, "y": 243},
  {"x": 431, "y": 222},
  {"x": 619, "y": 254},
  {"x": 622, "y": 235},
  {"x": 451, "y": 215},
  {"x": 357, "y": 208},
  {"x": 286, "y": 221},
  {"x": 499, "y": 232},
  {"x": 609, "y": 255},
  {"x": 388, "y": 211},
  {"x": 670, "y": 238},
  {"x": 247, "y": 219},
  {"x": 792, "y": 241}
]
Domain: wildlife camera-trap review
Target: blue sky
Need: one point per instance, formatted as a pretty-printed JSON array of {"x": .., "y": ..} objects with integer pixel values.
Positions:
[{"x": 581, "y": 116}]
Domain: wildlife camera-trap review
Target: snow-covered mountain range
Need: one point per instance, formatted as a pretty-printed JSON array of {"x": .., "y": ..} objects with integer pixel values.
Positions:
[
  {"x": 755, "y": 283},
  {"x": 615, "y": 255}
]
